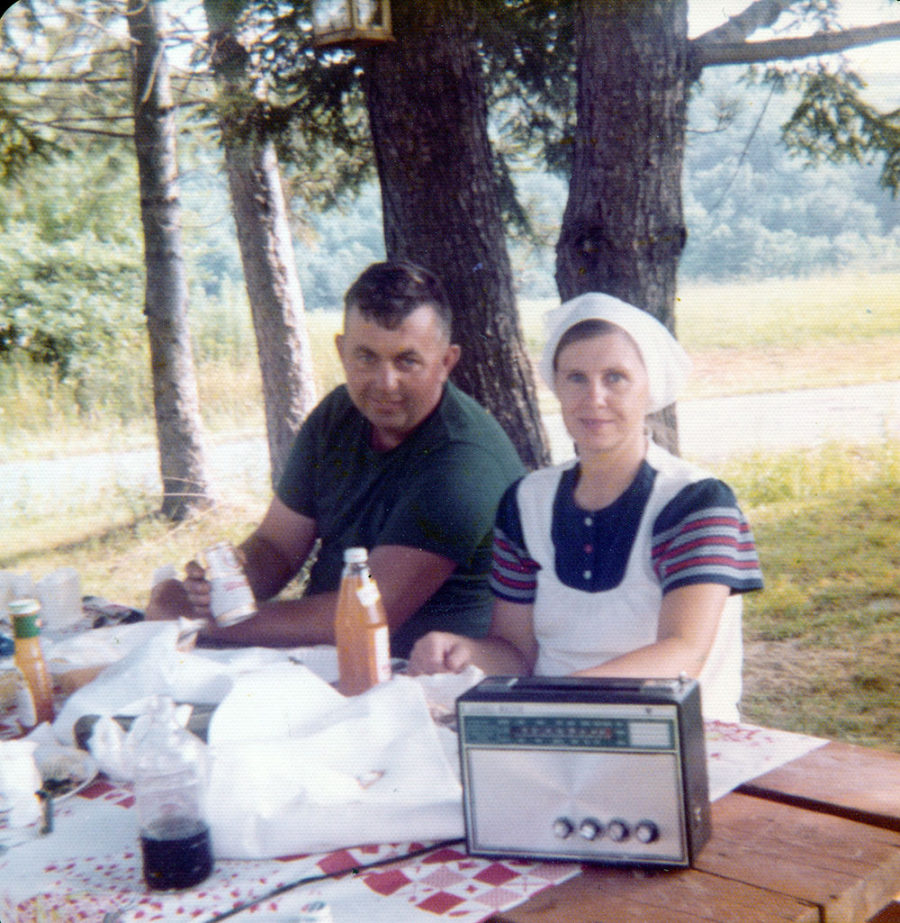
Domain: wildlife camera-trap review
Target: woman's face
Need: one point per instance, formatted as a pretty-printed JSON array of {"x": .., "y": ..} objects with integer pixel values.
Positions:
[{"x": 604, "y": 392}]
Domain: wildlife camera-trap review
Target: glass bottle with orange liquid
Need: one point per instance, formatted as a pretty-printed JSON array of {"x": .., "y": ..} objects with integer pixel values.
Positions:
[
  {"x": 360, "y": 627},
  {"x": 29, "y": 658}
]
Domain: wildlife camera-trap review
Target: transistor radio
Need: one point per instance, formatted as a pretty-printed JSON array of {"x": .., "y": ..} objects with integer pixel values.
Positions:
[{"x": 593, "y": 770}]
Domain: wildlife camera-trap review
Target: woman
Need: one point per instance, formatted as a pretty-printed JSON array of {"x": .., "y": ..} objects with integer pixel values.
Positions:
[{"x": 625, "y": 561}]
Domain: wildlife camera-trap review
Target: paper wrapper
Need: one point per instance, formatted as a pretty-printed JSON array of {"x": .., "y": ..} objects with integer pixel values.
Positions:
[{"x": 297, "y": 768}]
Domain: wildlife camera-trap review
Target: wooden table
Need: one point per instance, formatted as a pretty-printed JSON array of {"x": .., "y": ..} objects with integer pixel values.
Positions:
[{"x": 816, "y": 841}]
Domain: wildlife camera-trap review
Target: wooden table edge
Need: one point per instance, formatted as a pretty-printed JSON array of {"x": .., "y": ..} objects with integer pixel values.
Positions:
[{"x": 805, "y": 783}]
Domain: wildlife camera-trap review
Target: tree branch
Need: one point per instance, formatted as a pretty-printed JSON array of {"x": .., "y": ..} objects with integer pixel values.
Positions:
[
  {"x": 759, "y": 15},
  {"x": 97, "y": 132},
  {"x": 81, "y": 79},
  {"x": 706, "y": 54}
]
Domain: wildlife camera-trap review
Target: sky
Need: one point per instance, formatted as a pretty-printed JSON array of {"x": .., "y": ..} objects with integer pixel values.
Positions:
[
  {"x": 879, "y": 64},
  {"x": 706, "y": 14}
]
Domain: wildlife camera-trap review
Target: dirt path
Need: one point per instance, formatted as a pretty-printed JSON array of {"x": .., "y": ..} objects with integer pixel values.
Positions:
[
  {"x": 717, "y": 427},
  {"x": 710, "y": 429}
]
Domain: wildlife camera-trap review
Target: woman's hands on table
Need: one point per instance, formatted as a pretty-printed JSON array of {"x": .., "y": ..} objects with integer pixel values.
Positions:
[
  {"x": 440, "y": 652},
  {"x": 504, "y": 652}
]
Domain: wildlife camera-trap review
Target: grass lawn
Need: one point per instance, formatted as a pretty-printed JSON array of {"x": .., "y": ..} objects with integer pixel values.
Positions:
[{"x": 823, "y": 639}]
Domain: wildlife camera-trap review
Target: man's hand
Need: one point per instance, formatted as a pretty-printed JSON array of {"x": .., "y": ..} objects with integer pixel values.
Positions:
[
  {"x": 198, "y": 590},
  {"x": 271, "y": 555},
  {"x": 440, "y": 652},
  {"x": 175, "y": 599}
]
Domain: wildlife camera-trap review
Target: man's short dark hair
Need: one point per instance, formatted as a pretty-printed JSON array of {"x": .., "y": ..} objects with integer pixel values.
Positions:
[{"x": 389, "y": 292}]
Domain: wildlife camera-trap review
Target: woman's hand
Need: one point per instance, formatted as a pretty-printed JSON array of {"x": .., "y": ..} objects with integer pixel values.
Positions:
[
  {"x": 509, "y": 649},
  {"x": 440, "y": 652}
]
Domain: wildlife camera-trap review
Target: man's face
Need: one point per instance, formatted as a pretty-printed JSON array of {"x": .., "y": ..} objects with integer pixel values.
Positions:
[{"x": 395, "y": 377}]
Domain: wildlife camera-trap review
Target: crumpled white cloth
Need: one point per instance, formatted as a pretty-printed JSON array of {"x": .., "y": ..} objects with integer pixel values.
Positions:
[
  {"x": 296, "y": 767},
  {"x": 100, "y": 646},
  {"x": 153, "y": 665}
]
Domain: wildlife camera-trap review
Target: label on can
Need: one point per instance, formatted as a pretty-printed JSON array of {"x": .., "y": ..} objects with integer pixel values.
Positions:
[{"x": 231, "y": 599}]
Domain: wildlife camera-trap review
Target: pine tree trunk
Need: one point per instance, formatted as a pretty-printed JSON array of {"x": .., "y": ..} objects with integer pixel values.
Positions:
[
  {"x": 264, "y": 237},
  {"x": 623, "y": 227},
  {"x": 428, "y": 116},
  {"x": 176, "y": 402},
  {"x": 273, "y": 289}
]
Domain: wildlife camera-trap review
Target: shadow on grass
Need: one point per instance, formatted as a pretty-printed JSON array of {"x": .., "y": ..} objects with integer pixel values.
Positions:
[{"x": 119, "y": 536}]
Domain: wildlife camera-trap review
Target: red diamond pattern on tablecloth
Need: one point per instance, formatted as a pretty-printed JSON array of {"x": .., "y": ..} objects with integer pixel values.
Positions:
[
  {"x": 449, "y": 883},
  {"x": 79, "y": 889},
  {"x": 440, "y": 902},
  {"x": 104, "y": 790},
  {"x": 443, "y": 878},
  {"x": 496, "y": 874},
  {"x": 387, "y": 883},
  {"x": 444, "y": 854},
  {"x": 336, "y": 862},
  {"x": 500, "y": 898}
]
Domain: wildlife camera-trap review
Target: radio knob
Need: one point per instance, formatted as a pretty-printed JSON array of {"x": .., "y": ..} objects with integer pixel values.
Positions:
[
  {"x": 590, "y": 829},
  {"x": 617, "y": 831},
  {"x": 562, "y": 827},
  {"x": 646, "y": 831}
]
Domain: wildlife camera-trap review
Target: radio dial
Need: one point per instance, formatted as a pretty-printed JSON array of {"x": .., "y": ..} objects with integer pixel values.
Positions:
[
  {"x": 562, "y": 828},
  {"x": 646, "y": 831},
  {"x": 590, "y": 829},
  {"x": 618, "y": 831}
]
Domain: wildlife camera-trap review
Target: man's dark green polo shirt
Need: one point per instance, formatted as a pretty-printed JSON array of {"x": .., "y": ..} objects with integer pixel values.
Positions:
[{"x": 437, "y": 491}]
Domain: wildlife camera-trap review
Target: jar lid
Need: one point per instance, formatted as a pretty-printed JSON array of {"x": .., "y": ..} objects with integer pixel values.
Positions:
[
  {"x": 24, "y": 607},
  {"x": 355, "y": 555}
]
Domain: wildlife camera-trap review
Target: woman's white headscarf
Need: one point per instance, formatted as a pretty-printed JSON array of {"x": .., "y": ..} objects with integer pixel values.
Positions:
[{"x": 666, "y": 361}]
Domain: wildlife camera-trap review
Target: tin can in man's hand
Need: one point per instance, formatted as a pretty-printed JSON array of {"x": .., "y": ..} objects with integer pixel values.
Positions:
[{"x": 231, "y": 598}]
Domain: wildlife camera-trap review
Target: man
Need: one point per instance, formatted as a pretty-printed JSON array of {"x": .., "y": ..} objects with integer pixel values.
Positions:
[{"x": 397, "y": 460}]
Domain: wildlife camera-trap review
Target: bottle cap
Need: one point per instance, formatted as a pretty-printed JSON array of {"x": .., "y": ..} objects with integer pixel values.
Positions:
[
  {"x": 24, "y": 614},
  {"x": 24, "y": 607},
  {"x": 356, "y": 555}
]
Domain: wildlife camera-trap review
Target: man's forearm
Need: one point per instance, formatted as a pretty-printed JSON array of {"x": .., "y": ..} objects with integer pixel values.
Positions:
[
  {"x": 281, "y": 623},
  {"x": 268, "y": 571}
]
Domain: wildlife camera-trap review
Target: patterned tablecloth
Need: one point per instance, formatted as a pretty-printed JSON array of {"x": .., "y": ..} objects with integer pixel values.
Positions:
[{"x": 89, "y": 868}]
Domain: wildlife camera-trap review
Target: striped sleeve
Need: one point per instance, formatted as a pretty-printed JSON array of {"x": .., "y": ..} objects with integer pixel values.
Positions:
[
  {"x": 701, "y": 536},
  {"x": 513, "y": 570}
]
